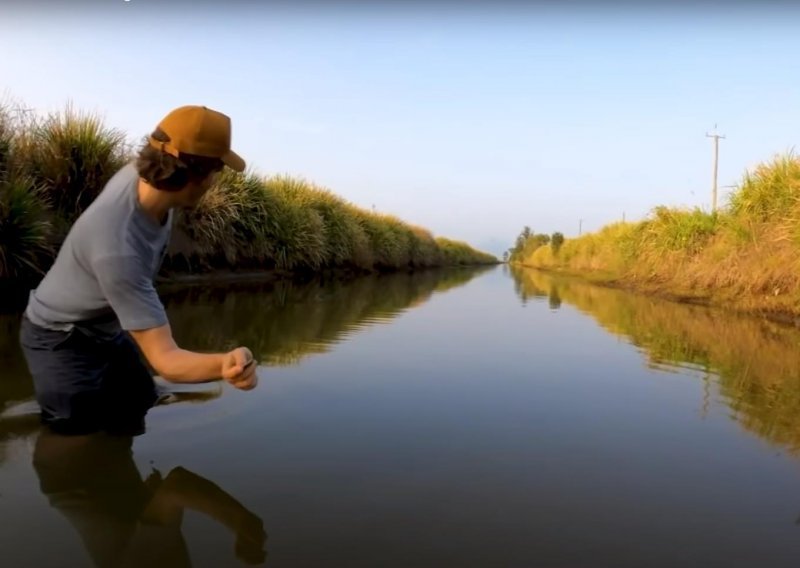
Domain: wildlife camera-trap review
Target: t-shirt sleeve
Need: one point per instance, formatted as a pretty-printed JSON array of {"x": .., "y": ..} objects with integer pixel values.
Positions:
[{"x": 130, "y": 292}]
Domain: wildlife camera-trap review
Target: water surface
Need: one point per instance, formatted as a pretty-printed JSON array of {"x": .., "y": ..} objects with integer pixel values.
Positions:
[{"x": 495, "y": 418}]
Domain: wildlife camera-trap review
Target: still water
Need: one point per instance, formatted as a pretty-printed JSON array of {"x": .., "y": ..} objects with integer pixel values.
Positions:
[{"x": 470, "y": 418}]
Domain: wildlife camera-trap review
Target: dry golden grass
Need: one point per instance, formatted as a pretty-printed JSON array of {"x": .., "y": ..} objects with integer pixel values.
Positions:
[{"x": 747, "y": 256}]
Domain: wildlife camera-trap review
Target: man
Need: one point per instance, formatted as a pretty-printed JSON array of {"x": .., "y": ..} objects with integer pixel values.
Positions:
[{"x": 96, "y": 310}]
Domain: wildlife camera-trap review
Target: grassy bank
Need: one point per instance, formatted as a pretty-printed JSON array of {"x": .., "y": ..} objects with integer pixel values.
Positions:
[
  {"x": 53, "y": 167},
  {"x": 746, "y": 256}
]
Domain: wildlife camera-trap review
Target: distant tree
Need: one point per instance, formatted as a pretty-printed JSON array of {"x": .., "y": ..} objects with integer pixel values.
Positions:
[
  {"x": 533, "y": 242},
  {"x": 556, "y": 241},
  {"x": 505, "y": 256},
  {"x": 527, "y": 241},
  {"x": 519, "y": 243}
]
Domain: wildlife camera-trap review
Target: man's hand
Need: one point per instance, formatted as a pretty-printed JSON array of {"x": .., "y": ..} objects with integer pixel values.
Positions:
[{"x": 239, "y": 368}]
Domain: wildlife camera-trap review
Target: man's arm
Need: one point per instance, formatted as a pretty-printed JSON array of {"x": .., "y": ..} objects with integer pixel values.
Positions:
[
  {"x": 184, "y": 489},
  {"x": 181, "y": 366},
  {"x": 133, "y": 298},
  {"x": 173, "y": 363},
  {"x": 178, "y": 365}
]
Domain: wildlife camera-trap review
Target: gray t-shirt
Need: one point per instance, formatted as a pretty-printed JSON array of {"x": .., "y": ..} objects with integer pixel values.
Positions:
[{"x": 102, "y": 278}]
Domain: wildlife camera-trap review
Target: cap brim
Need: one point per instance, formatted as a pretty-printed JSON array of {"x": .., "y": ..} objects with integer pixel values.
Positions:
[{"x": 234, "y": 161}]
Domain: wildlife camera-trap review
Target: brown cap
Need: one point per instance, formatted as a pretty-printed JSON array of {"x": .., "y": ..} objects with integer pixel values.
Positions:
[{"x": 200, "y": 131}]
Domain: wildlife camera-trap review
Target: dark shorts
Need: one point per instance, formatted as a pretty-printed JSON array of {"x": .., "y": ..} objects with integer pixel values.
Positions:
[{"x": 85, "y": 382}]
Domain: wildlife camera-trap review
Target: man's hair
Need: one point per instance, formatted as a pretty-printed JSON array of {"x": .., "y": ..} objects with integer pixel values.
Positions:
[{"x": 168, "y": 173}]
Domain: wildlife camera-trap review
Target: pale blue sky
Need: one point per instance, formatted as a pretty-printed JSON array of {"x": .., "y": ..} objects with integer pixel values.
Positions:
[{"x": 472, "y": 123}]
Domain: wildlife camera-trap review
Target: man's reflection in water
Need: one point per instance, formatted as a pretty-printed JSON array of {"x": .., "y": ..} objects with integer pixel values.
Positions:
[{"x": 127, "y": 521}]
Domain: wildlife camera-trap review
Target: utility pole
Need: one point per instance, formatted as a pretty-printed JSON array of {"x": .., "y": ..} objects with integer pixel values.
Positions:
[
  {"x": 580, "y": 227},
  {"x": 716, "y": 138},
  {"x": 22, "y": 112}
]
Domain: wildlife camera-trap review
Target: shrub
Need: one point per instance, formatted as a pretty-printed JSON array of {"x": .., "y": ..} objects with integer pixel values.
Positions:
[
  {"x": 770, "y": 191},
  {"x": 72, "y": 155},
  {"x": 25, "y": 230},
  {"x": 556, "y": 241}
]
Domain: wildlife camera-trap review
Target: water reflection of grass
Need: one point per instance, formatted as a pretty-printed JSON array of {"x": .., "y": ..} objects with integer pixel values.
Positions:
[
  {"x": 282, "y": 322},
  {"x": 757, "y": 363},
  {"x": 14, "y": 382}
]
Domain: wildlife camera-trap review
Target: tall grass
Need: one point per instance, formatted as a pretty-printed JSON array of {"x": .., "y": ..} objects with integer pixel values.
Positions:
[
  {"x": 227, "y": 227},
  {"x": 424, "y": 249},
  {"x": 290, "y": 224},
  {"x": 770, "y": 192},
  {"x": 72, "y": 155},
  {"x": 25, "y": 240},
  {"x": 460, "y": 253},
  {"x": 25, "y": 228},
  {"x": 746, "y": 255},
  {"x": 344, "y": 238},
  {"x": 7, "y": 140},
  {"x": 677, "y": 230},
  {"x": 53, "y": 167}
]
